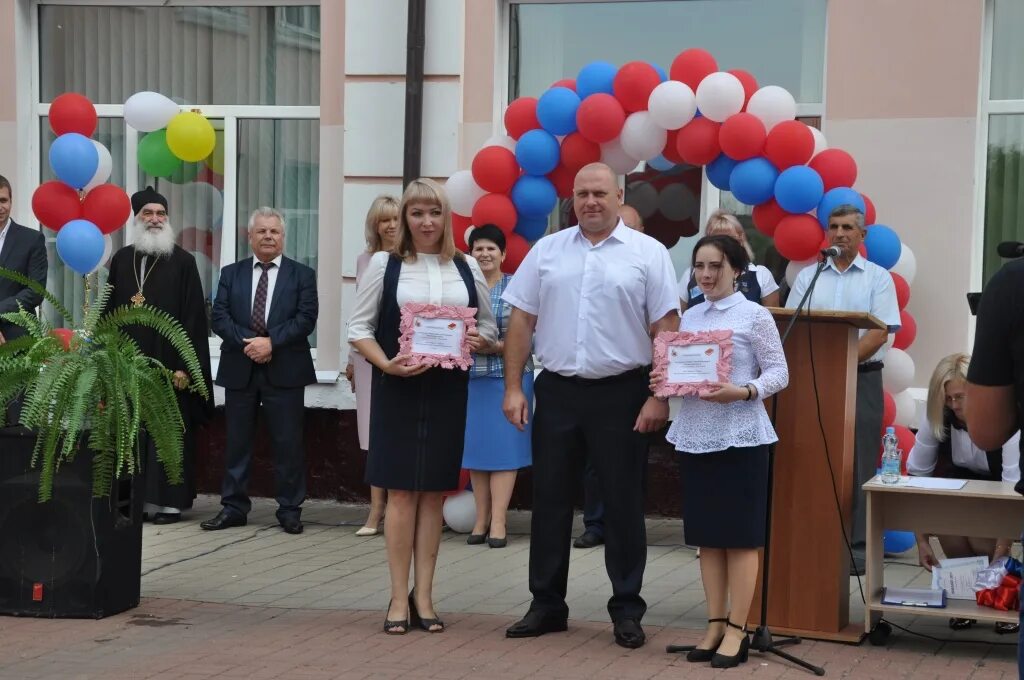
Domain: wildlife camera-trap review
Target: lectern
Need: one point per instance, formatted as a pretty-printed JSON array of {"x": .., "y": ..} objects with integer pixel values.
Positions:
[{"x": 809, "y": 567}]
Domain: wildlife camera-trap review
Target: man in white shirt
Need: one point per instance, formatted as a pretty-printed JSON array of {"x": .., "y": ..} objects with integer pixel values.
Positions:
[
  {"x": 591, "y": 294},
  {"x": 850, "y": 283}
]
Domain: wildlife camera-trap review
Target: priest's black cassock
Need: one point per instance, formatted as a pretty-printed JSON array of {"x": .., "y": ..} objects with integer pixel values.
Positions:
[{"x": 171, "y": 284}]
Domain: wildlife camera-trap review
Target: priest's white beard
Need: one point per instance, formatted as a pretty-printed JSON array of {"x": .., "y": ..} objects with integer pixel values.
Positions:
[{"x": 152, "y": 242}]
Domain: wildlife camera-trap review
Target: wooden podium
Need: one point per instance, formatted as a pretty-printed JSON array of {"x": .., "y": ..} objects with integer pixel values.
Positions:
[{"x": 809, "y": 576}]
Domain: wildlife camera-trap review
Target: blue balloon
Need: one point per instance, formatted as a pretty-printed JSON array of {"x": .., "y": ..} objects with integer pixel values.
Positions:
[
  {"x": 660, "y": 163},
  {"x": 537, "y": 152},
  {"x": 531, "y": 228},
  {"x": 80, "y": 245},
  {"x": 597, "y": 76},
  {"x": 74, "y": 159},
  {"x": 556, "y": 110},
  {"x": 719, "y": 171},
  {"x": 660, "y": 70},
  {"x": 799, "y": 189},
  {"x": 834, "y": 198},
  {"x": 753, "y": 181},
  {"x": 883, "y": 246},
  {"x": 894, "y": 542},
  {"x": 534, "y": 196}
]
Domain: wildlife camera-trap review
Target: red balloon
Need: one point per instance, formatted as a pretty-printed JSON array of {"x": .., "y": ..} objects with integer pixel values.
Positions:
[
  {"x": 888, "y": 409},
  {"x": 600, "y": 117},
  {"x": 902, "y": 290},
  {"x": 836, "y": 167},
  {"x": 460, "y": 223},
  {"x": 197, "y": 240},
  {"x": 464, "y": 478},
  {"x": 691, "y": 66},
  {"x": 55, "y": 204},
  {"x": 798, "y": 237},
  {"x": 495, "y": 169},
  {"x": 869, "y": 211},
  {"x": 697, "y": 141},
  {"x": 907, "y": 333},
  {"x": 563, "y": 179},
  {"x": 496, "y": 209},
  {"x": 748, "y": 81},
  {"x": 64, "y": 335},
  {"x": 108, "y": 207},
  {"x": 767, "y": 216},
  {"x": 671, "y": 152},
  {"x": 789, "y": 143},
  {"x": 521, "y": 117},
  {"x": 742, "y": 136},
  {"x": 565, "y": 82},
  {"x": 578, "y": 151},
  {"x": 71, "y": 112},
  {"x": 516, "y": 248},
  {"x": 905, "y": 442},
  {"x": 633, "y": 85}
]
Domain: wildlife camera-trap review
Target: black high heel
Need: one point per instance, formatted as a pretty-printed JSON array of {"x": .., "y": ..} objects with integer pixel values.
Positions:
[
  {"x": 698, "y": 655},
  {"x": 426, "y": 624},
  {"x": 399, "y": 627},
  {"x": 722, "y": 661}
]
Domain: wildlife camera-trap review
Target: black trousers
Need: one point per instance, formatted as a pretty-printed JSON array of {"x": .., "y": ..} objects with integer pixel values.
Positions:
[
  {"x": 283, "y": 408},
  {"x": 867, "y": 440},
  {"x": 579, "y": 421}
]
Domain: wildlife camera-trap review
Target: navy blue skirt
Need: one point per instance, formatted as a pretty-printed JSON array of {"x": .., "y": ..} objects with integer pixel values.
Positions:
[{"x": 725, "y": 497}]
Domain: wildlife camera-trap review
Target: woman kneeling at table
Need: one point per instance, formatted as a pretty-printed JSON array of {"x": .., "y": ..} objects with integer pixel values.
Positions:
[
  {"x": 943, "y": 449},
  {"x": 723, "y": 439}
]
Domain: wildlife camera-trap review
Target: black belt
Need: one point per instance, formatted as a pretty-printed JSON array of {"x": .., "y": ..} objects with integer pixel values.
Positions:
[
  {"x": 641, "y": 372},
  {"x": 870, "y": 366}
]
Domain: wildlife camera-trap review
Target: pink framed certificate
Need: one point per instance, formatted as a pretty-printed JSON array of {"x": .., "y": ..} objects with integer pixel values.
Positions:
[
  {"x": 691, "y": 361},
  {"x": 436, "y": 335}
]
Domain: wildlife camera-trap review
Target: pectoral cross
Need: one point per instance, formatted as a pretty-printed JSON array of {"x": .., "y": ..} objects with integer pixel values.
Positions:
[{"x": 138, "y": 299}]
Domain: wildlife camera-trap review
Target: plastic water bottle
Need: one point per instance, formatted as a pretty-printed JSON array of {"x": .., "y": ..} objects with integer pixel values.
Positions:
[{"x": 890, "y": 457}]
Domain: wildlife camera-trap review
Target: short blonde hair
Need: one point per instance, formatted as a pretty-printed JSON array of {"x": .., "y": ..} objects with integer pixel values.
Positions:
[
  {"x": 721, "y": 221},
  {"x": 425, "y": 190},
  {"x": 953, "y": 367},
  {"x": 382, "y": 208}
]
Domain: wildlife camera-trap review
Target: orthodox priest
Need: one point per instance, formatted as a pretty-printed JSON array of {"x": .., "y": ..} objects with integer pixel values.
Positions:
[{"x": 155, "y": 271}]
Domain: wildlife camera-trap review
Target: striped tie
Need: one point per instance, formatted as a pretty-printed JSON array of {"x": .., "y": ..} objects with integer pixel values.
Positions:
[{"x": 259, "y": 303}]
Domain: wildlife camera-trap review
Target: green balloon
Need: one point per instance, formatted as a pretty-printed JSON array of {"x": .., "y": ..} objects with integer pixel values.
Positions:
[
  {"x": 185, "y": 173},
  {"x": 154, "y": 157}
]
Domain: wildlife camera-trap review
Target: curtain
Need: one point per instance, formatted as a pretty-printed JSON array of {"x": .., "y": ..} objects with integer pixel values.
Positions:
[{"x": 1004, "y": 187}]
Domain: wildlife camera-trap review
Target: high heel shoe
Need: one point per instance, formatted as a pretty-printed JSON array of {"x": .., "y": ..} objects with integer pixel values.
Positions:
[
  {"x": 426, "y": 624},
  {"x": 722, "y": 661},
  {"x": 698, "y": 655},
  {"x": 398, "y": 627}
]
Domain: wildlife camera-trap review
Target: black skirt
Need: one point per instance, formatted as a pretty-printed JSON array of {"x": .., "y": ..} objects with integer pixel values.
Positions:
[
  {"x": 417, "y": 430},
  {"x": 725, "y": 495}
]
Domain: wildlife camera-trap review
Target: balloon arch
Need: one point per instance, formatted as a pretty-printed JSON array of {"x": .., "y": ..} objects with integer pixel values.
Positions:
[{"x": 744, "y": 136}]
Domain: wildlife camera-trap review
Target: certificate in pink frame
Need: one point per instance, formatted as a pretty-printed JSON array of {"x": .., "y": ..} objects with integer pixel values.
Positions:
[
  {"x": 411, "y": 310},
  {"x": 667, "y": 339}
]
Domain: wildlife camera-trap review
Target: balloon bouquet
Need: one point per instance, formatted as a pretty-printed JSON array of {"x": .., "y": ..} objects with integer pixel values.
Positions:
[{"x": 172, "y": 136}]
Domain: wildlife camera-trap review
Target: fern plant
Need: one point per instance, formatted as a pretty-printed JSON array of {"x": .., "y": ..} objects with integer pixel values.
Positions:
[{"x": 95, "y": 387}]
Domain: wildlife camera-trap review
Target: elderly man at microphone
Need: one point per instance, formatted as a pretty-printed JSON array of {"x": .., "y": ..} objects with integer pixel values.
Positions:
[{"x": 849, "y": 283}]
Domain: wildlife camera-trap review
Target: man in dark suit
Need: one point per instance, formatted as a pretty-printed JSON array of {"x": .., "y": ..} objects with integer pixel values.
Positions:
[{"x": 265, "y": 309}]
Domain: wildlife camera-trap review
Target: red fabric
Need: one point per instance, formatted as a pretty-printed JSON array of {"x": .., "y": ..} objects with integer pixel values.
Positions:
[{"x": 1004, "y": 598}]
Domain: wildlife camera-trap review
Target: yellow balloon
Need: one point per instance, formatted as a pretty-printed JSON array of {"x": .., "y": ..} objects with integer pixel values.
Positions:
[
  {"x": 190, "y": 137},
  {"x": 215, "y": 161}
]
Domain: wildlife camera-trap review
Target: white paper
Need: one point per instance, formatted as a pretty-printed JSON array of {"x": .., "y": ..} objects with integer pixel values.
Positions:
[
  {"x": 438, "y": 336},
  {"x": 957, "y": 575},
  {"x": 935, "y": 483},
  {"x": 693, "y": 363}
]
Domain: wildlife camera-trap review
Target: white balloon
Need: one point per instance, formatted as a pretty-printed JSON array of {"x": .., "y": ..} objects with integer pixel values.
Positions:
[
  {"x": 463, "y": 192},
  {"x": 794, "y": 268},
  {"x": 719, "y": 96},
  {"x": 677, "y": 202},
  {"x": 890, "y": 340},
  {"x": 616, "y": 158},
  {"x": 906, "y": 266},
  {"x": 103, "y": 169},
  {"x": 641, "y": 137},
  {"x": 906, "y": 409},
  {"x": 465, "y": 234},
  {"x": 643, "y": 197},
  {"x": 672, "y": 104},
  {"x": 898, "y": 372},
  {"x": 149, "y": 111},
  {"x": 460, "y": 512},
  {"x": 772, "y": 105},
  {"x": 108, "y": 248},
  {"x": 202, "y": 205},
  {"x": 820, "y": 144},
  {"x": 500, "y": 140}
]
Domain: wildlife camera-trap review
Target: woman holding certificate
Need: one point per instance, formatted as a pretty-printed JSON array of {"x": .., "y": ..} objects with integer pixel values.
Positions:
[
  {"x": 420, "y": 311},
  {"x": 727, "y": 358}
]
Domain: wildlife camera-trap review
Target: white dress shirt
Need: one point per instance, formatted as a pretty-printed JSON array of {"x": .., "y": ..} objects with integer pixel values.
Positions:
[
  {"x": 757, "y": 358},
  {"x": 594, "y": 303},
  {"x": 924, "y": 456},
  {"x": 764, "y": 279},
  {"x": 3, "y": 234},
  {"x": 863, "y": 287},
  {"x": 425, "y": 280},
  {"x": 257, "y": 271}
]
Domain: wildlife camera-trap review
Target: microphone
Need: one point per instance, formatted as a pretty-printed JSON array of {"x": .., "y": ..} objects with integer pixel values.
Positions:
[
  {"x": 1010, "y": 249},
  {"x": 834, "y": 251}
]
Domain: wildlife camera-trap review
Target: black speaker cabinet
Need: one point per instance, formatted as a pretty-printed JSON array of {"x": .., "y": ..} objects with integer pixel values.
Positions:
[{"x": 74, "y": 556}]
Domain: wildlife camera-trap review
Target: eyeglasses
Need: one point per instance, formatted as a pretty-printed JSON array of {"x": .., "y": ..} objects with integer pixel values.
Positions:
[{"x": 157, "y": 213}]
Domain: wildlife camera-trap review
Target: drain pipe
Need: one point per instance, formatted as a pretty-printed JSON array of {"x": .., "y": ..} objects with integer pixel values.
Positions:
[{"x": 415, "y": 42}]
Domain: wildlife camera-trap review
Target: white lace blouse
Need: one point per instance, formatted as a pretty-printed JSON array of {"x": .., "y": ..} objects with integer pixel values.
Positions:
[{"x": 757, "y": 358}]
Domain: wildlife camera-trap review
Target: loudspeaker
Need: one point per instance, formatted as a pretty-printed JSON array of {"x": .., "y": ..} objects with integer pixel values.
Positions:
[{"x": 74, "y": 556}]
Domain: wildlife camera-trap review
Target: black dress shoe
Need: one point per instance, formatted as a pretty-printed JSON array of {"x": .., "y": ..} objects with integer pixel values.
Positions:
[
  {"x": 476, "y": 539},
  {"x": 535, "y": 624},
  {"x": 723, "y": 661},
  {"x": 224, "y": 520},
  {"x": 497, "y": 542},
  {"x": 629, "y": 634},
  {"x": 166, "y": 517},
  {"x": 588, "y": 539},
  {"x": 292, "y": 525}
]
